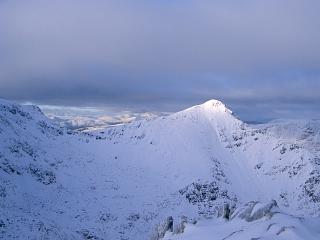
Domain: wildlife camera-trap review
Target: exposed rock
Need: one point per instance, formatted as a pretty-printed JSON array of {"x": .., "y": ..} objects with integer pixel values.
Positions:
[
  {"x": 162, "y": 228},
  {"x": 44, "y": 176},
  {"x": 253, "y": 211},
  {"x": 207, "y": 196}
]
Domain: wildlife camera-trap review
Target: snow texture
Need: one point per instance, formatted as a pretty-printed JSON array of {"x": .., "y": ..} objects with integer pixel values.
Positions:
[{"x": 168, "y": 176}]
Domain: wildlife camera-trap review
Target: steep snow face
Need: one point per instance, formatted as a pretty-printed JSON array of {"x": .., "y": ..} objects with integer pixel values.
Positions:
[{"x": 138, "y": 180}]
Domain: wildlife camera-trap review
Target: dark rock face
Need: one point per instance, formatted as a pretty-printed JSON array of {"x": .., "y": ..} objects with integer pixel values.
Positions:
[
  {"x": 15, "y": 110},
  {"x": 311, "y": 187},
  {"x": 207, "y": 196},
  {"x": 44, "y": 176},
  {"x": 226, "y": 211}
]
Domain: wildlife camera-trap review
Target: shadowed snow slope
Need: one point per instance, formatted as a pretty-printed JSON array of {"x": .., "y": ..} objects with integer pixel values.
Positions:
[{"x": 140, "y": 180}]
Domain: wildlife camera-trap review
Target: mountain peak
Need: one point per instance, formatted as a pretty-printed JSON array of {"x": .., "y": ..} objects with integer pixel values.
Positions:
[{"x": 215, "y": 105}]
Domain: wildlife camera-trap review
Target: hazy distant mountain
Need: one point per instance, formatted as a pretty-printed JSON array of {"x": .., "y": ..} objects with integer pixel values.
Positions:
[{"x": 89, "y": 119}]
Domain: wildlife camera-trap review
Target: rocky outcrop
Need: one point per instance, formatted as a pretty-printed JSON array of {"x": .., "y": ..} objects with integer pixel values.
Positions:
[
  {"x": 253, "y": 211},
  {"x": 208, "y": 197}
]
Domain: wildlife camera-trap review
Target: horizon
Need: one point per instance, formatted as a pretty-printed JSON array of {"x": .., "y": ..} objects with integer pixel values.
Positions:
[
  {"x": 260, "y": 58},
  {"x": 102, "y": 111},
  {"x": 86, "y": 117}
]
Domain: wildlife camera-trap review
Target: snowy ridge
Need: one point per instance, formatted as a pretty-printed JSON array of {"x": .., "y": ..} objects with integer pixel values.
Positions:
[{"x": 146, "y": 178}]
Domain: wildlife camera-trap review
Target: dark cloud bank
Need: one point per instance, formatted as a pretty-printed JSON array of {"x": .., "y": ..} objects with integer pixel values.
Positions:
[{"x": 261, "y": 57}]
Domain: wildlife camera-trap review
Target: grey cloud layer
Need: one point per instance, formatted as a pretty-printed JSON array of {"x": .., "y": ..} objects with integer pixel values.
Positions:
[{"x": 160, "y": 54}]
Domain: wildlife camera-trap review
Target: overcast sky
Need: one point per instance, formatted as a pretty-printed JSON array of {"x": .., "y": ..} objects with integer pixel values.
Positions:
[{"x": 262, "y": 58}]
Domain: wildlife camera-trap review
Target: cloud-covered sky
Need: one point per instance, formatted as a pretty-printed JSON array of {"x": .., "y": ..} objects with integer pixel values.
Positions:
[{"x": 262, "y": 58}]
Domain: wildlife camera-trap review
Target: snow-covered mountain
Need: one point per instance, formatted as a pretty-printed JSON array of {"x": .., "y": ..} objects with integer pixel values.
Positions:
[{"x": 151, "y": 178}]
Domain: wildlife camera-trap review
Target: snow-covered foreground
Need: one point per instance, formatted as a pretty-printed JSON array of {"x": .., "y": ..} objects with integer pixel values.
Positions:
[
  {"x": 252, "y": 221},
  {"x": 148, "y": 178}
]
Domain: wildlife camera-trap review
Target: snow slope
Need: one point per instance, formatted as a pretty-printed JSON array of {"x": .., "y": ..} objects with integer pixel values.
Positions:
[{"x": 137, "y": 181}]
